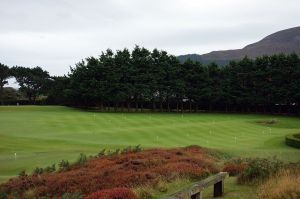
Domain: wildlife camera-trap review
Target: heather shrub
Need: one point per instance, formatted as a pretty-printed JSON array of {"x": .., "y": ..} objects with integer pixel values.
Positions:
[
  {"x": 259, "y": 169},
  {"x": 284, "y": 185},
  {"x": 115, "y": 193},
  {"x": 131, "y": 169},
  {"x": 235, "y": 166}
]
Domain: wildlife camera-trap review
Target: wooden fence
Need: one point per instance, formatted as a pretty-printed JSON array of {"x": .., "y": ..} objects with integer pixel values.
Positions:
[{"x": 195, "y": 191}]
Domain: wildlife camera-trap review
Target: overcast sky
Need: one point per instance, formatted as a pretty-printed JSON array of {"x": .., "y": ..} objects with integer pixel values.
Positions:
[{"x": 55, "y": 34}]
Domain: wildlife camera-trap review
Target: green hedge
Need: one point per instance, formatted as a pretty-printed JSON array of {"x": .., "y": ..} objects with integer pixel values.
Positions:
[{"x": 293, "y": 140}]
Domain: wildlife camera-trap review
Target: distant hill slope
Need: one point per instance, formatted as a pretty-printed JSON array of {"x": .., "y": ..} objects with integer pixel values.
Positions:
[{"x": 285, "y": 41}]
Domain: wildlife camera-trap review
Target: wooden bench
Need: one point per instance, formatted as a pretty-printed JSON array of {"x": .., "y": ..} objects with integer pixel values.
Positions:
[{"x": 195, "y": 191}]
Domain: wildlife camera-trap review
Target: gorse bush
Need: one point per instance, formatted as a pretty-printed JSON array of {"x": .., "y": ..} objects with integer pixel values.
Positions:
[
  {"x": 101, "y": 153},
  {"x": 259, "y": 169},
  {"x": 64, "y": 165},
  {"x": 82, "y": 159},
  {"x": 48, "y": 169},
  {"x": 126, "y": 150},
  {"x": 38, "y": 171},
  {"x": 22, "y": 174}
]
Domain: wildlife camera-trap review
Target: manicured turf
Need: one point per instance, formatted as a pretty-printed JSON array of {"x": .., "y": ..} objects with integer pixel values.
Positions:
[{"x": 44, "y": 135}]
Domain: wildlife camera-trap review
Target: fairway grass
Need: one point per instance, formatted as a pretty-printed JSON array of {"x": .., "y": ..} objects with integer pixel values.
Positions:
[{"x": 43, "y": 135}]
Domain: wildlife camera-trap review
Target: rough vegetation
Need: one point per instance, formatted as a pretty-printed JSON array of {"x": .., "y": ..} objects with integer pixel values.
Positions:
[
  {"x": 284, "y": 185},
  {"x": 128, "y": 169},
  {"x": 116, "y": 193}
]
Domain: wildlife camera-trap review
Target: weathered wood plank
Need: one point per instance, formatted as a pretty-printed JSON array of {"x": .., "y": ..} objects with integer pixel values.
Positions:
[{"x": 195, "y": 191}]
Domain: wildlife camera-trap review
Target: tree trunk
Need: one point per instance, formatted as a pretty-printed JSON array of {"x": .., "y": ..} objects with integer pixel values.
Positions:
[
  {"x": 153, "y": 105},
  {"x": 160, "y": 105},
  {"x": 181, "y": 106},
  {"x": 1, "y": 97},
  {"x": 142, "y": 106},
  {"x": 128, "y": 106}
]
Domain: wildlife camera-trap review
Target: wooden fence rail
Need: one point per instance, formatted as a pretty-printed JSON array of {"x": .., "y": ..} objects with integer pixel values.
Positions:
[{"x": 195, "y": 191}]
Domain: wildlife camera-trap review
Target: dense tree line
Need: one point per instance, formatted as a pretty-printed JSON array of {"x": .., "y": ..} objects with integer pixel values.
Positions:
[{"x": 143, "y": 79}]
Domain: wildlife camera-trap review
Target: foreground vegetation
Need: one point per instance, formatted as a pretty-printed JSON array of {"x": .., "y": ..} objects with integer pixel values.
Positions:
[
  {"x": 129, "y": 168},
  {"x": 38, "y": 136},
  {"x": 134, "y": 173}
]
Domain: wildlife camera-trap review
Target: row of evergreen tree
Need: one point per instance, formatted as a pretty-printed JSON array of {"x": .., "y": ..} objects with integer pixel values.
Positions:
[{"x": 143, "y": 79}]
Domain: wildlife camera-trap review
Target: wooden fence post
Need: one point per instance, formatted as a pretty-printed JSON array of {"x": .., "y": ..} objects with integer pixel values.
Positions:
[
  {"x": 196, "y": 190},
  {"x": 219, "y": 189}
]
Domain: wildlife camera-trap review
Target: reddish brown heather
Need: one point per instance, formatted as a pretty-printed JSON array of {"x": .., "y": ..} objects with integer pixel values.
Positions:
[
  {"x": 115, "y": 193},
  {"x": 234, "y": 168},
  {"x": 126, "y": 170}
]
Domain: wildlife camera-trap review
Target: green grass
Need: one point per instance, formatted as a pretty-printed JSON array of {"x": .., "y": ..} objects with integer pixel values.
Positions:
[{"x": 42, "y": 135}]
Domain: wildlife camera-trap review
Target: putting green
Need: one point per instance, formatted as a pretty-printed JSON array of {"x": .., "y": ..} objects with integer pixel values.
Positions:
[{"x": 42, "y": 135}]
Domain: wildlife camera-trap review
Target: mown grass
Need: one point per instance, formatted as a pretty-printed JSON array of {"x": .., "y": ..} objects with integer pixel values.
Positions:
[{"x": 42, "y": 135}]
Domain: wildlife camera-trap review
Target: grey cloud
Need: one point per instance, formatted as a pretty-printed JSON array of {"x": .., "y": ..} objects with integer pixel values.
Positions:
[{"x": 55, "y": 34}]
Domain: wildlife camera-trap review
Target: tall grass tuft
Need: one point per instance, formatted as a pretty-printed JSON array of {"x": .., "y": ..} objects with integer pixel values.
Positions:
[{"x": 284, "y": 185}]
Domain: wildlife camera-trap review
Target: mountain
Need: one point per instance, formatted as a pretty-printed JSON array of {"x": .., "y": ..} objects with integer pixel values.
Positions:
[{"x": 285, "y": 41}]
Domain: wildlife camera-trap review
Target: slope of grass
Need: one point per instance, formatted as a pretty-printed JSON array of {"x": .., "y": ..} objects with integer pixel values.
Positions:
[{"x": 42, "y": 135}]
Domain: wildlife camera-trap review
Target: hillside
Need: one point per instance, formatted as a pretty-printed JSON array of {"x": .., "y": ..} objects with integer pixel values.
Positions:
[{"x": 285, "y": 41}]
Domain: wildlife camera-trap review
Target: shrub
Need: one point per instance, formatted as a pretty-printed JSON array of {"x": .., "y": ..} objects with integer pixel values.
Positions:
[
  {"x": 82, "y": 159},
  {"x": 161, "y": 186},
  {"x": 259, "y": 169},
  {"x": 101, "y": 153},
  {"x": 234, "y": 168},
  {"x": 293, "y": 140},
  {"x": 115, "y": 193},
  {"x": 137, "y": 148},
  {"x": 23, "y": 174},
  {"x": 50, "y": 169},
  {"x": 143, "y": 193},
  {"x": 284, "y": 185},
  {"x": 38, "y": 171},
  {"x": 64, "y": 165},
  {"x": 29, "y": 194},
  {"x": 3, "y": 195},
  {"x": 126, "y": 150},
  {"x": 75, "y": 195},
  {"x": 124, "y": 170}
]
